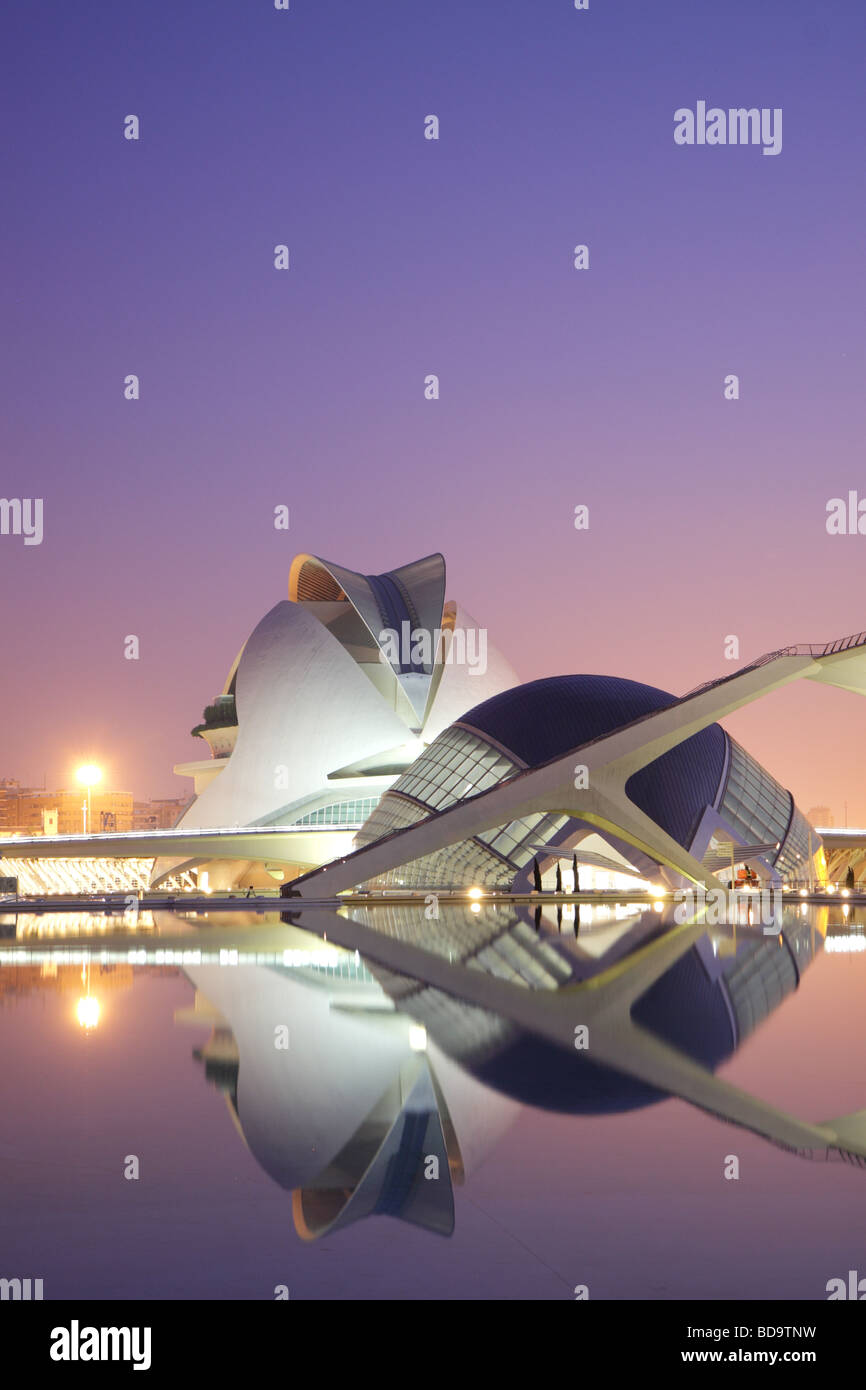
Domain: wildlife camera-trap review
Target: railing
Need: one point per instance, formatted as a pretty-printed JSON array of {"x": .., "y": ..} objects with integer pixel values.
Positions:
[
  {"x": 16, "y": 841},
  {"x": 834, "y": 889},
  {"x": 812, "y": 649}
]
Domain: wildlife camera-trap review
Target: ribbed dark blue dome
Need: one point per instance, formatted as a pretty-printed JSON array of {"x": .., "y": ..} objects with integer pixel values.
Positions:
[
  {"x": 546, "y": 718},
  {"x": 684, "y": 1008}
]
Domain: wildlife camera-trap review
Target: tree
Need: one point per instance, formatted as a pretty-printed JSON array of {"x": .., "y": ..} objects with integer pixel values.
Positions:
[
  {"x": 576, "y": 875},
  {"x": 536, "y": 874},
  {"x": 558, "y": 877}
]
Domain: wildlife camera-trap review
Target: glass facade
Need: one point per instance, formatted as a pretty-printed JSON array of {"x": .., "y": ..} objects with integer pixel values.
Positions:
[
  {"x": 458, "y": 765},
  {"x": 489, "y": 860},
  {"x": 760, "y": 978},
  {"x": 760, "y": 810},
  {"x": 755, "y": 806},
  {"x": 394, "y": 812},
  {"x": 341, "y": 812},
  {"x": 497, "y": 939},
  {"x": 516, "y": 841},
  {"x": 793, "y": 862},
  {"x": 464, "y": 865}
]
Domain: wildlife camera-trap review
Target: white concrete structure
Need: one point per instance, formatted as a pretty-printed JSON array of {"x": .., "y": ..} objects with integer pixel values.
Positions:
[
  {"x": 325, "y": 1114},
  {"x": 334, "y": 694},
  {"x": 606, "y": 764}
]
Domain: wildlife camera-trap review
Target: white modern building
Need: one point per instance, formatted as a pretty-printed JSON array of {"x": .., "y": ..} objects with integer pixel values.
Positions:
[{"x": 334, "y": 694}]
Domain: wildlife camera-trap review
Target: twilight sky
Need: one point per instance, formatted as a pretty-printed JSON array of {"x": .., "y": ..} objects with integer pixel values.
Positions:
[{"x": 408, "y": 257}]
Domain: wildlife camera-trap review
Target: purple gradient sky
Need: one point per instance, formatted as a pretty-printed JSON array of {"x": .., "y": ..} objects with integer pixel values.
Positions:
[{"x": 409, "y": 257}]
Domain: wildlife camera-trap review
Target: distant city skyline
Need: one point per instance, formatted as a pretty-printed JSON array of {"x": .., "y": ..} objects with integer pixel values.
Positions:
[{"x": 29, "y": 810}]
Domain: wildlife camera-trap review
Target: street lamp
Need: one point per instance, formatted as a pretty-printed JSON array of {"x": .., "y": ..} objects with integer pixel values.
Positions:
[{"x": 88, "y": 776}]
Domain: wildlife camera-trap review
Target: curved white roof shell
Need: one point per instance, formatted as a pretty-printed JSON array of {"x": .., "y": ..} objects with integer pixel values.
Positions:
[{"x": 337, "y": 688}]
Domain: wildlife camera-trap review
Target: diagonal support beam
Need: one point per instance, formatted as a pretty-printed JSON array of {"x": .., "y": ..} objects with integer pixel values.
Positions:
[
  {"x": 609, "y": 761},
  {"x": 603, "y": 1004}
]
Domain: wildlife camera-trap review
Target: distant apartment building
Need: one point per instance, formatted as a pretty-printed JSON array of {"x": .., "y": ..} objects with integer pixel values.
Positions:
[
  {"x": 35, "y": 811},
  {"x": 160, "y": 814},
  {"x": 820, "y": 815}
]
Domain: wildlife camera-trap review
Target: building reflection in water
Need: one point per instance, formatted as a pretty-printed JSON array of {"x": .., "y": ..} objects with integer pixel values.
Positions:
[
  {"x": 371, "y": 1090},
  {"x": 361, "y": 1112}
]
